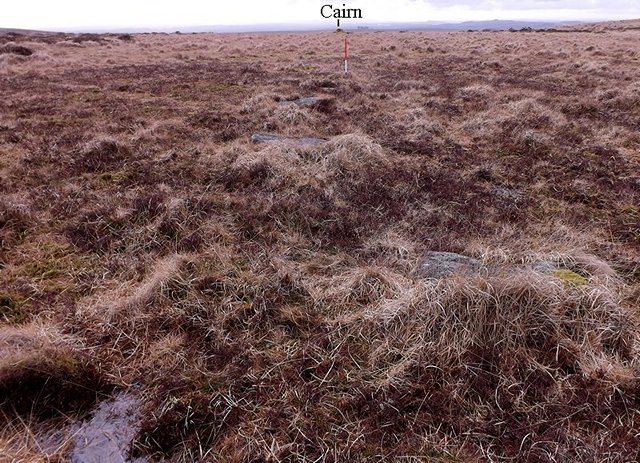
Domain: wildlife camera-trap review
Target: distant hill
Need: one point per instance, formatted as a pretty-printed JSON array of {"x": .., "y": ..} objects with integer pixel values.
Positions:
[
  {"x": 495, "y": 24},
  {"x": 625, "y": 25},
  {"x": 19, "y": 31},
  {"x": 371, "y": 26}
]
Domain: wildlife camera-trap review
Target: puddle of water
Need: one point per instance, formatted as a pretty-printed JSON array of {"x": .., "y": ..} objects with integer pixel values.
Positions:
[{"x": 107, "y": 437}]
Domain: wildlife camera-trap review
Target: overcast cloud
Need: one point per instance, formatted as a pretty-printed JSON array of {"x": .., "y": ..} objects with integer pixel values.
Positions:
[
  {"x": 83, "y": 14},
  {"x": 613, "y": 5}
]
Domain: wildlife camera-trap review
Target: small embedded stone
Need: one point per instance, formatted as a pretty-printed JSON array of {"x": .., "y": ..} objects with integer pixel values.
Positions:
[{"x": 437, "y": 265}]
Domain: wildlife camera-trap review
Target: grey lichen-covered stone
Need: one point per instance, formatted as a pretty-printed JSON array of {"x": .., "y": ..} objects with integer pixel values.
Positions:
[
  {"x": 302, "y": 102},
  {"x": 509, "y": 194},
  {"x": 438, "y": 264},
  {"x": 266, "y": 138},
  {"x": 270, "y": 138},
  {"x": 545, "y": 266}
]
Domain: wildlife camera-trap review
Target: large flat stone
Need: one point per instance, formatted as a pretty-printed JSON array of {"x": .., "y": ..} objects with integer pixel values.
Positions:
[{"x": 302, "y": 102}]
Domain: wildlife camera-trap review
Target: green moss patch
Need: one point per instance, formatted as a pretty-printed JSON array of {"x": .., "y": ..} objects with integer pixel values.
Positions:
[
  {"x": 631, "y": 210},
  {"x": 117, "y": 177},
  {"x": 570, "y": 278},
  {"x": 54, "y": 266},
  {"x": 11, "y": 310}
]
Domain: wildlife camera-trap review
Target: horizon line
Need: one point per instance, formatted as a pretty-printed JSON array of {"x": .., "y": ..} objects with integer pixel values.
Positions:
[{"x": 287, "y": 27}]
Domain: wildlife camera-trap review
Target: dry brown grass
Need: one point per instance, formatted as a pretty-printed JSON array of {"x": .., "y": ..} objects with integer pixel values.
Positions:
[{"x": 265, "y": 301}]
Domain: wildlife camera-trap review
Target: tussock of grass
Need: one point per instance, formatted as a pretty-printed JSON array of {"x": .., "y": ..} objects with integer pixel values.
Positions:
[
  {"x": 292, "y": 114},
  {"x": 19, "y": 445},
  {"x": 16, "y": 49},
  {"x": 44, "y": 373},
  {"x": 350, "y": 153},
  {"x": 364, "y": 286},
  {"x": 512, "y": 345},
  {"x": 14, "y": 223},
  {"x": 151, "y": 287},
  {"x": 102, "y": 154}
]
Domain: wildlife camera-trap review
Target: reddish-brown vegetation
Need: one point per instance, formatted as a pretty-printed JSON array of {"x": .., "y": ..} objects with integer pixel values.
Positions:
[{"x": 265, "y": 301}]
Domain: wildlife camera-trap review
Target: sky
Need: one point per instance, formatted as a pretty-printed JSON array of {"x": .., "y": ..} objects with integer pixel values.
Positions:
[{"x": 87, "y": 15}]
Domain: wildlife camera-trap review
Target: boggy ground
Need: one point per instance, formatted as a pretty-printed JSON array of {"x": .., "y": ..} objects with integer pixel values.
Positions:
[{"x": 264, "y": 302}]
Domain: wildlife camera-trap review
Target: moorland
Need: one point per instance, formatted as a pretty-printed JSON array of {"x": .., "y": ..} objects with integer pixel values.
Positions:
[{"x": 269, "y": 301}]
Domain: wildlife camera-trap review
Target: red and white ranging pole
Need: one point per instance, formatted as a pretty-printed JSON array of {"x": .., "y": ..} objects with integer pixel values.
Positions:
[{"x": 346, "y": 55}]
